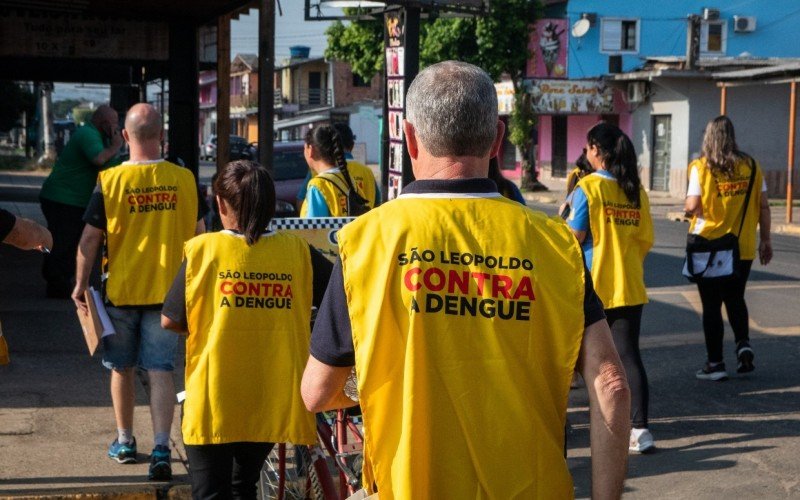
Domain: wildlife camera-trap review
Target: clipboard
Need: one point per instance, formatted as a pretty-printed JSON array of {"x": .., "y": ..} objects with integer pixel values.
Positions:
[{"x": 91, "y": 324}]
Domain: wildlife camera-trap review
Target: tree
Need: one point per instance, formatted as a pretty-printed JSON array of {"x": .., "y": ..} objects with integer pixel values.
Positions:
[
  {"x": 497, "y": 42},
  {"x": 17, "y": 98}
]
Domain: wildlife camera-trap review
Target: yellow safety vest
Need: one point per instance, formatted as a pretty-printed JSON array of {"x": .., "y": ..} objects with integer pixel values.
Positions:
[
  {"x": 621, "y": 236},
  {"x": 334, "y": 189},
  {"x": 151, "y": 210},
  {"x": 722, "y": 201},
  {"x": 249, "y": 312},
  {"x": 466, "y": 335}
]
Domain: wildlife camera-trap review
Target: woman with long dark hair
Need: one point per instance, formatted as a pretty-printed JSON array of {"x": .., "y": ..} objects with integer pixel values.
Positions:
[
  {"x": 611, "y": 218},
  {"x": 332, "y": 191},
  {"x": 243, "y": 297},
  {"x": 718, "y": 182}
]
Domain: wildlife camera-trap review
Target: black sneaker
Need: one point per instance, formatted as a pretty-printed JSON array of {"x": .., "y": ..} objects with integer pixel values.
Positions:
[
  {"x": 716, "y": 373},
  {"x": 160, "y": 466},
  {"x": 745, "y": 355}
]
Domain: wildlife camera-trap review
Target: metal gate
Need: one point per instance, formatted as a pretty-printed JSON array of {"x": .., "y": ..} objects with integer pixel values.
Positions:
[{"x": 662, "y": 146}]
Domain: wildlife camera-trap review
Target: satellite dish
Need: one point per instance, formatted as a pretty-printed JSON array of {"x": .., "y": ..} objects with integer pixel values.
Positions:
[{"x": 581, "y": 27}]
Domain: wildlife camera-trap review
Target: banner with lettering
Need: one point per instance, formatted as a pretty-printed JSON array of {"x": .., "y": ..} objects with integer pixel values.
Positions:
[{"x": 569, "y": 97}]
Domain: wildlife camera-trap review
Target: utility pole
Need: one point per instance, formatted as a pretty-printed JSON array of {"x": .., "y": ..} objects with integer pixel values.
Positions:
[{"x": 266, "y": 76}]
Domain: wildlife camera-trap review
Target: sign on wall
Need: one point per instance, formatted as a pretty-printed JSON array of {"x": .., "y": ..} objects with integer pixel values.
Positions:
[
  {"x": 505, "y": 97},
  {"x": 395, "y": 96},
  {"x": 548, "y": 46},
  {"x": 28, "y": 34},
  {"x": 552, "y": 97}
]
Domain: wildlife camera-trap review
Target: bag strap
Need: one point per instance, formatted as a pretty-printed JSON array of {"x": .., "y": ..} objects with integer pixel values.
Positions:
[
  {"x": 747, "y": 196},
  {"x": 330, "y": 178}
]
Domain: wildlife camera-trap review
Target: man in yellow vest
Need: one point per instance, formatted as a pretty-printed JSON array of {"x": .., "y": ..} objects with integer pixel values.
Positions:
[
  {"x": 464, "y": 314},
  {"x": 145, "y": 209}
]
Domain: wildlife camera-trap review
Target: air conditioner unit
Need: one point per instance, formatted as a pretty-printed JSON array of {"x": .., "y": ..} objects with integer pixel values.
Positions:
[
  {"x": 710, "y": 14},
  {"x": 637, "y": 92},
  {"x": 744, "y": 24}
]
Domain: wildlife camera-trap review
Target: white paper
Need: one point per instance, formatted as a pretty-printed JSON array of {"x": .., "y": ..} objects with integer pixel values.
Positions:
[{"x": 108, "y": 328}]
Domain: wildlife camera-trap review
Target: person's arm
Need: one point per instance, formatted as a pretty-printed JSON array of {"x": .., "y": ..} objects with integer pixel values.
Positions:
[
  {"x": 29, "y": 235},
  {"x": 609, "y": 410},
  {"x": 173, "y": 312},
  {"x": 322, "y": 387},
  {"x": 764, "y": 224},
  {"x": 578, "y": 219},
  {"x": 101, "y": 158},
  {"x": 693, "y": 205},
  {"x": 91, "y": 239},
  {"x": 332, "y": 355}
]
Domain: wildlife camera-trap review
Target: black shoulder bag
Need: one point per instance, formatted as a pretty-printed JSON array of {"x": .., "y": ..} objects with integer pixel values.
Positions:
[
  {"x": 717, "y": 259},
  {"x": 356, "y": 204}
]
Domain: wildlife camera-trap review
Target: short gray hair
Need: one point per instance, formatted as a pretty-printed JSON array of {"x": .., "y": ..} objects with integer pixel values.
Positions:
[{"x": 453, "y": 108}]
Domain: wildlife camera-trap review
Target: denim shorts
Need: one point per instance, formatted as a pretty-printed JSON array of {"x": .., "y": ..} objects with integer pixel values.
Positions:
[{"x": 139, "y": 342}]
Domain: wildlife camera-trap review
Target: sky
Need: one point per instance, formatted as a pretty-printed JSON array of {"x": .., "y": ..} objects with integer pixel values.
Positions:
[{"x": 290, "y": 29}]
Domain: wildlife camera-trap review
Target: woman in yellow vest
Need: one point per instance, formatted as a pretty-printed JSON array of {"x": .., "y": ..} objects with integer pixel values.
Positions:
[
  {"x": 327, "y": 192},
  {"x": 610, "y": 216},
  {"x": 243, "y": 296},
  {"x": 718, "y": 183}
]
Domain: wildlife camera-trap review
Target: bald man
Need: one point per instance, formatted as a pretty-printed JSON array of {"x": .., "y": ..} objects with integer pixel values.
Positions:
[
  {"x": 144, "y": 210},
  {"x": 66, "y": 192}
]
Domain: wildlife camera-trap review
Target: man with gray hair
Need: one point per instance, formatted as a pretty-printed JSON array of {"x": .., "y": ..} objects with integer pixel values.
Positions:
[
  {"x": 66, "y": 191},
  {"x": 464, "y": 315},
  {"x": 144, "y": 210}
]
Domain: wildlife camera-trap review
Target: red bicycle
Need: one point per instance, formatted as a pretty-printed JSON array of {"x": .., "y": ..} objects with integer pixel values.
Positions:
[{"x": 307, "y": 472}]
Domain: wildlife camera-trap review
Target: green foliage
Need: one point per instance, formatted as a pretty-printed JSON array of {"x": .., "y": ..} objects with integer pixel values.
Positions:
[
  {"x": 522, "y": 121},
  {"x": 503, "y": 37},
  {"x": 16, "y": 99},
  {"x": 448, "y": 39},
  {"x": 360, "y": 44},
  {"x": 82, "y": 115}
]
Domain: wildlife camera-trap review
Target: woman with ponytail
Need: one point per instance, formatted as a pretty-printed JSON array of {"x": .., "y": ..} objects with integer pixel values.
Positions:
[
  {"x": 610, "y": 216},
  {"x": 243, "y": 297},
  {"x": 332, "y": 192}
]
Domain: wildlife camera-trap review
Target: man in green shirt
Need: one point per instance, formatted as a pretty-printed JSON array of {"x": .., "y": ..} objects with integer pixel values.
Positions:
[{"x": 66, "y": 192}]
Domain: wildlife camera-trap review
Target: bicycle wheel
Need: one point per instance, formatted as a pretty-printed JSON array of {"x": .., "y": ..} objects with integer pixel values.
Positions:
[{"x": 298, "y": 477}]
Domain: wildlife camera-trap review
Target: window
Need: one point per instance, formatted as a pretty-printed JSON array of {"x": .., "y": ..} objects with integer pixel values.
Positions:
[
  {"x": 360, "y": 82},
  {"x": 713, "y": 35},
  {"x": 619, "y": 36}
]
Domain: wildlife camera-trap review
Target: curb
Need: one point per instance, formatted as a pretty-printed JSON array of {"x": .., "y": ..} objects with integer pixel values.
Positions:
[
  {"x": 784, "y": 229},
  {"x": 176, "y": 491}
]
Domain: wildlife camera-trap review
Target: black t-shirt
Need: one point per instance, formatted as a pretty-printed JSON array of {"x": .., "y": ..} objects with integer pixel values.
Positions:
[
  {"x": 332, "y": 339},
  {"x": 175, "y": 302},
  {"x": 7, "y": 221}
]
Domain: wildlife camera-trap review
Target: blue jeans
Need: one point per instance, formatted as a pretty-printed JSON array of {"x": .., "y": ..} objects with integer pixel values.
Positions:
[{"x": 139, "y": 342}]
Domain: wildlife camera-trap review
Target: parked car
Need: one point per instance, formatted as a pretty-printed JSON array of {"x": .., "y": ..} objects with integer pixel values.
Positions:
[
  {"x": 289, "y": 169},
  {"x": 239, "y": 148}
]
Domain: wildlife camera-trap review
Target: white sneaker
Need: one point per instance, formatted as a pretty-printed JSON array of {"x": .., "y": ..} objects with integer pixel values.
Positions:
[{"x": 641, "y": 441}]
